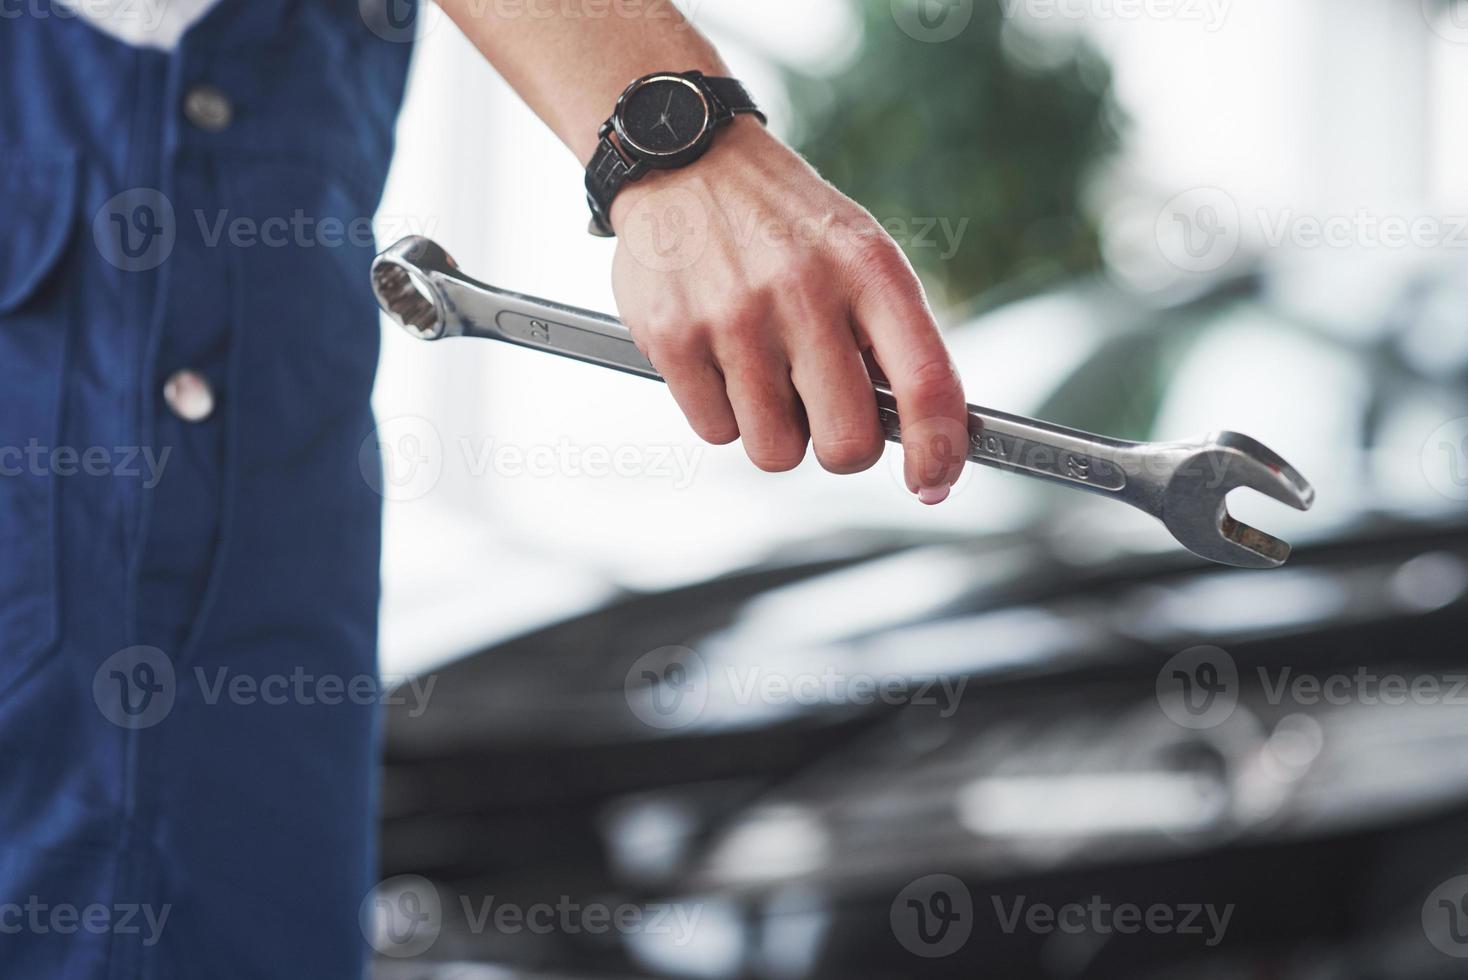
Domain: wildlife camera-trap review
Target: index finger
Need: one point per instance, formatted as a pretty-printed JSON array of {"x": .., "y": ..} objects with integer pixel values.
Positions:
[{"x": 893, "y": 318}]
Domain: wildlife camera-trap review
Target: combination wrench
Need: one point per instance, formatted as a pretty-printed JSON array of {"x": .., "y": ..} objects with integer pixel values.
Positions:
[{"x": 1182, "y": 484}]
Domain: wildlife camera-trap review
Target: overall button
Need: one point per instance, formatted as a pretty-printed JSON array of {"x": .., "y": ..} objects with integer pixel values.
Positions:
[
  {"x": 208, "y": 108},
  {"x": 189, "y": 396}
]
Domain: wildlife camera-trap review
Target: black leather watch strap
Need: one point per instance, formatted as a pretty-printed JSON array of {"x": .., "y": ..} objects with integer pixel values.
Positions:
[
  {"x": 605, "y": 176},
  {"x": 733, "y": 98}
]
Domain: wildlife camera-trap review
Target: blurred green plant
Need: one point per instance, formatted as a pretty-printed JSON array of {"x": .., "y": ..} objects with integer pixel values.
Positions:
[{"x": 988, "y": 136}]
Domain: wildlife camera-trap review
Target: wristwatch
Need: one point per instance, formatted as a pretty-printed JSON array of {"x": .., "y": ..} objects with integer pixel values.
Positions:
[{"x": 663, "y": 121}]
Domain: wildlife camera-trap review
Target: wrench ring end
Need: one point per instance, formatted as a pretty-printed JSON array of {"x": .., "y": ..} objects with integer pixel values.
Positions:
[{"x": 404, "y": 291}]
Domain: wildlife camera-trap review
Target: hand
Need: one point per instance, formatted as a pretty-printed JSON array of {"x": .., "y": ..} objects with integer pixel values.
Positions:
[{"x": 757, "y": 289}]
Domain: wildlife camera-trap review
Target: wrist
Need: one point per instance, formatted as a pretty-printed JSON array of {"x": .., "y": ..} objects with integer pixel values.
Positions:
[{"x": 741, "y": 145}]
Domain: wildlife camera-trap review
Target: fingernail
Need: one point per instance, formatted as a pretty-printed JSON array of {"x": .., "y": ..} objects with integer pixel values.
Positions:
[{"x": 933, "y": 496}]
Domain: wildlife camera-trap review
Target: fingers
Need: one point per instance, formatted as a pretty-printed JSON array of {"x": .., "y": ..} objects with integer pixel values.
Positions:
[
  {"x": 683, "y": 358},
  {"x": 893, "y": 317},
  {"x": 731, "y": 379},
  {"x": 779, "y": 363},
  {"x": 835, "y": 387},
  {"x": 779, "y": 375},
  {"x": 769, "y": 412}
]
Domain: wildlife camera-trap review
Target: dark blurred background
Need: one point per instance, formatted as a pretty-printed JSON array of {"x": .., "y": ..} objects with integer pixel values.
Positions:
[{"x": 687, "y": 720}]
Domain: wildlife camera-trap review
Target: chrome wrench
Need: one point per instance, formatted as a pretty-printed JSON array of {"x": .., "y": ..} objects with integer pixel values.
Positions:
[{"x": 1182, "y": 484}]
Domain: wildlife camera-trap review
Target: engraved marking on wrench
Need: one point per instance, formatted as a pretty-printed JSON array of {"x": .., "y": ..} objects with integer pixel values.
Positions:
[{"x": 1025, "y": 454}]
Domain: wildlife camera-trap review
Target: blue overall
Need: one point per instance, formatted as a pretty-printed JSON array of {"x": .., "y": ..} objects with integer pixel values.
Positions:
[{"x": 169, "y": 807}]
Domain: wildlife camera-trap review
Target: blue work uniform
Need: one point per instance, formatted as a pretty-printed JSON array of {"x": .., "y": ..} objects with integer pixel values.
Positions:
[{"x": 189, "y": 528}]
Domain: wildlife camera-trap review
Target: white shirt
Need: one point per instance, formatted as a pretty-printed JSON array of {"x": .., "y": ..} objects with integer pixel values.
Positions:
[{"x": 143, "y": 23}]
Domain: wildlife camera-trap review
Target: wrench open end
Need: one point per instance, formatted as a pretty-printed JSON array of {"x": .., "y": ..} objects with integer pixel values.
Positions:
[{"x": 1195, "y": 502}]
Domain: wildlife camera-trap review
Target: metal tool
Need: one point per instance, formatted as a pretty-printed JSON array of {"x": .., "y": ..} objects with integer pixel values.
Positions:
[{"x": 1182, "y": 484}]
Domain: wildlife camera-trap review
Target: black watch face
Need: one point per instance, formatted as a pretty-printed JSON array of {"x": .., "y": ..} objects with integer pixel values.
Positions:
[{"x": 664, "y": 115}]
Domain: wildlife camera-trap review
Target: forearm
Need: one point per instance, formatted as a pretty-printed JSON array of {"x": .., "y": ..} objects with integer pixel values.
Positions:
[{"x": 570, "y": 59}]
